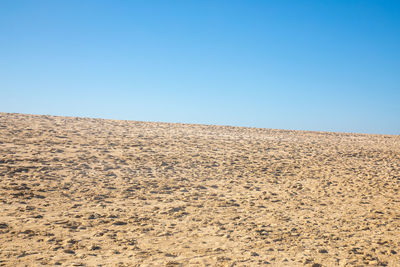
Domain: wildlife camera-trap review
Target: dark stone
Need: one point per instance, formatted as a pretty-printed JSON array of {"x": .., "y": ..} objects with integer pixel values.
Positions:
[
  {"x": 120, "y": 223},
  {"x": 69, "y": 251}
]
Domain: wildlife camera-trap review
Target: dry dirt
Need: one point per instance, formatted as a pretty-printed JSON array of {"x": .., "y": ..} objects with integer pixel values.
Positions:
[{"x": 93, "y": 192}]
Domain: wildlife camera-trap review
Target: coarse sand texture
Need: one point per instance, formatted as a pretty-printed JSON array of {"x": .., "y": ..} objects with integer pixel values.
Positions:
[{"x": 94, "y": 192}]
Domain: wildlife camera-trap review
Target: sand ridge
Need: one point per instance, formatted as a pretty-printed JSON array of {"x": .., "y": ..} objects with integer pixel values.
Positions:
[{"x": 89, "y": 192}]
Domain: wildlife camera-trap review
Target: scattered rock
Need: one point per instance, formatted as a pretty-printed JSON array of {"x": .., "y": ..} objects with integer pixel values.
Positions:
[
  {"x": 69, "y": 251},
  {"x": 120, "y": 223}
]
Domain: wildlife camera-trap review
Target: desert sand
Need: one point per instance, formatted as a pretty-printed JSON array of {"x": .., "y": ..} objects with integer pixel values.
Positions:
[{"x": 94, "y": 192}]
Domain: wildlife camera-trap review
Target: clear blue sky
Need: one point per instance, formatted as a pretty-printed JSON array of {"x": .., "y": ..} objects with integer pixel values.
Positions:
[{"x": 306, "y": 65}]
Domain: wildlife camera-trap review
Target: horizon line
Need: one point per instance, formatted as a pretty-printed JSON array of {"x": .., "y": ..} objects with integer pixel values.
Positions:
[{"x": 200, "y": 124}]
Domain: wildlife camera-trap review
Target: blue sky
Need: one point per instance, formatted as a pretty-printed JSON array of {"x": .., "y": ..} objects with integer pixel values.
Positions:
[{"x": 305, "y": 65}]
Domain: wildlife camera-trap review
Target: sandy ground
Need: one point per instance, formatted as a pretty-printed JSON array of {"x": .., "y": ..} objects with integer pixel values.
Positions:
[{"x": 92, "y": 192}]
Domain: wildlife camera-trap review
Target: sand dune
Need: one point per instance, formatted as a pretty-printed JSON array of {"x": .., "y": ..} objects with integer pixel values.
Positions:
[{"x": 89, "y": 192}]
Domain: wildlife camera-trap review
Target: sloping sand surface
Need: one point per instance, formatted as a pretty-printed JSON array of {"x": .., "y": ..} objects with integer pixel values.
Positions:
[{"x": 89, "y": 192}]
